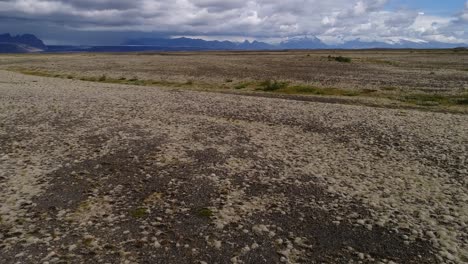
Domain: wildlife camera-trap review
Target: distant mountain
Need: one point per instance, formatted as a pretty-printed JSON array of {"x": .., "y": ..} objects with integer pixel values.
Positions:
[
  {"x": 307, "y": 42},
  {"x": 21, "y": 44},
  {"x": 197, "y": 44},
  {"x": 255, "y": 45},
  {"x": 399, "y": 44},
  {"x": 29, "y": 43},
  {"x": 303, "y": 43}
]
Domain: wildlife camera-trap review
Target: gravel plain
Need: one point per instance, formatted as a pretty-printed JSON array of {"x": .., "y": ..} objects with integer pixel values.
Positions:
[{"x": 108, "y": 173}]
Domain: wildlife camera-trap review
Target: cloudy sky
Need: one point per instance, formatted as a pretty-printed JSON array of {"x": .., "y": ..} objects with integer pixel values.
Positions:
[{"x": 333, "y": 21}]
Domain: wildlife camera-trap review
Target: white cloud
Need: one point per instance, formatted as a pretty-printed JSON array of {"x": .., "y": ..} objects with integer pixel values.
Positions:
[
  {"x": 333, "y": 20},
  {"x": 464, "y": 15}
]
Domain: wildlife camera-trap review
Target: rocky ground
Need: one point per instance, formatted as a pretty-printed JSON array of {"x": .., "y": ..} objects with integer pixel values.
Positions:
[{"x": 107, "y": 173}]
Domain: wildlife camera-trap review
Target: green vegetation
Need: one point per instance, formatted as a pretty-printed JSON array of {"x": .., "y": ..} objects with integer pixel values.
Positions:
[
  {"x": 304, "y": 89},
  {"x": 427, "y": 99},
  {"x": 205, "y": 212},
  {"x": 339, "y": 59},
  {"x": 269, "y": 85},
  {"x": 241, "y": 86},
  {"x": 103, "y": 78},
  {"x": 435, "y": 99},
  {"x": 368, "y": 91},
  {"x": 87, "y": 241},
  {"x": 138, "y": 213},
  {"x": 383, "y": 62},
  {"x": 462, "y": 101}
]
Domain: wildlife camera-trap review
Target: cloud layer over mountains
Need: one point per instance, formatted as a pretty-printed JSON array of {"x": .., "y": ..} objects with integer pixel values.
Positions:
[{"x": 332, "y": 20}]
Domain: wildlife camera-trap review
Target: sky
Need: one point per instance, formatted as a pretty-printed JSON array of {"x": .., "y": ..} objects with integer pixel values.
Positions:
[{"x": 106, "y": 22}]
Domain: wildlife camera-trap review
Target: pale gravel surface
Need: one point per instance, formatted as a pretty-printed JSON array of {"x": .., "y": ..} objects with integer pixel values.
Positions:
[{"x": 108, "y": 173}]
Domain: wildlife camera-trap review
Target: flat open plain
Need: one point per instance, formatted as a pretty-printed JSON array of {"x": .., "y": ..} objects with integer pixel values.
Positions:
[{"x": 103, "y": 172}]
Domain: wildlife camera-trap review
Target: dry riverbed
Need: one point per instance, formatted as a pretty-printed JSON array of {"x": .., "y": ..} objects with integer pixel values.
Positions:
[{"x": 107, "y": 173}]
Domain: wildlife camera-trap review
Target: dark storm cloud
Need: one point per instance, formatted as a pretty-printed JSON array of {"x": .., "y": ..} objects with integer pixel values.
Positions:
[
  {"x": 103, "y": 4},
  {"x": 333, "y": 20}
]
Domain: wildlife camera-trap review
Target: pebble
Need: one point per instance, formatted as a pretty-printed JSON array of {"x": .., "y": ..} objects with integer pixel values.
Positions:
[
  {"x": 361, "y": 256},
  {"x": 217, "y": 244},
  {"x": 71, "y": 247}
]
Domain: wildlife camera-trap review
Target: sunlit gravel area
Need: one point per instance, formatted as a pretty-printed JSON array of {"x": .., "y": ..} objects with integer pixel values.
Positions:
[{"x": 107, "y": 173}]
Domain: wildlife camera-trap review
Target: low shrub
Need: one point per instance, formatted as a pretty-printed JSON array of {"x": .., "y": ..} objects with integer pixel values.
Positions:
[
  {"x": 273, "y": 85},
  {"x": 343, "y": 59},
  {"x": 339, "y": 59}
]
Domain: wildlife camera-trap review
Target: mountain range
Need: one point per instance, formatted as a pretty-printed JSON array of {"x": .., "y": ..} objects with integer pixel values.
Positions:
[
  {"x": 296, "y": 43},
  {"x": 29, "y": 43},
  {"x": 21, "y": 44}
]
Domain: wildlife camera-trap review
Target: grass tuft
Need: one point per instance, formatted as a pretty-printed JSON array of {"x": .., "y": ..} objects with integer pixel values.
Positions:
[
  {"x": 138, "y": 213},
  {"x": 205, "y": 212},
  {"x": 462, "y": 101},
  {"x": 269, "y": 85},
  {"x": 241, "y": 86}
]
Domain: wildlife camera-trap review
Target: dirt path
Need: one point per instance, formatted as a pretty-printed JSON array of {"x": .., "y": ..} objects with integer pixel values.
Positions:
[{"x": 108, "y": 173}]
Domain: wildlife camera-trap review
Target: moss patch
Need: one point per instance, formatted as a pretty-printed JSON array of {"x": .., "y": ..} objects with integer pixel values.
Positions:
[
  {"x": 138, "y": 213},
  {"x": 205, "y": 212}
]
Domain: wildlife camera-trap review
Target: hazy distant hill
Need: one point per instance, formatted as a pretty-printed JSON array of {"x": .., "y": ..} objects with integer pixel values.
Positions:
[
  {"x": 198, "y": 43},
  {"x": 29, "y": 43},
  {"x": 308, "y": 42},
  {"x": 303, "y": 43},
  {"x": 21, "y": 44},
  {"x": 400, "y": 44}
]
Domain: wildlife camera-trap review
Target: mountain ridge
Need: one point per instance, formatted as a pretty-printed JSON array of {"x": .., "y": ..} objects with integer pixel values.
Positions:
[
  {"x": 21, "y": 43},
  {"x": 29, "y": 43},
  {"x": 293, "y": 43}
]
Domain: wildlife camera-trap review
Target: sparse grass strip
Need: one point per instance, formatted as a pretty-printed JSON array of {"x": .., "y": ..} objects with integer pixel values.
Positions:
[{"x": 429, "y": 100}]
